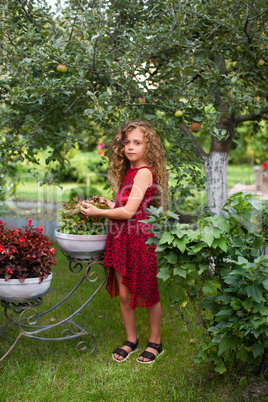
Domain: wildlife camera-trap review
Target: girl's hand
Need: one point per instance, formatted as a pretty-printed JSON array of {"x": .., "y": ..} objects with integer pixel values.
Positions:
[
  {"x": 109, "y": 203},
  {"x": 89, "y": 210}
]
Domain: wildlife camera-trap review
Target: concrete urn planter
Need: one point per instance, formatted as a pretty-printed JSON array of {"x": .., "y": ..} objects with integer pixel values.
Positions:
[
  {"x": 15, "y": 291},
  {"x": 81, "y": 246}
]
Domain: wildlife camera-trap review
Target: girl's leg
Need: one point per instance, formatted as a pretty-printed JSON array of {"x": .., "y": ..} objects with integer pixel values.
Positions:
[
  {"x": 128, "y": 314},
  {"x": 154, "y": 314}
]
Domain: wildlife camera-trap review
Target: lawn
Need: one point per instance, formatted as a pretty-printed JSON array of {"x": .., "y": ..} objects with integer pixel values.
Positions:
[
  {"x": 29, "y": 189},
  {"x": 240, "y": 174},
  {"x": 49, "y": 371}
]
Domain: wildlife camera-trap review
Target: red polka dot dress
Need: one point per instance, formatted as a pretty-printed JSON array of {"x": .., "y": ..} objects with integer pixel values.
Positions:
[{"x": 127, "y": 252}]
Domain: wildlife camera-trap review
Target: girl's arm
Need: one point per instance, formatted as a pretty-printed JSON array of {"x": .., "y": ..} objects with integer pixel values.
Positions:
[{"x": 142, "y": 181}]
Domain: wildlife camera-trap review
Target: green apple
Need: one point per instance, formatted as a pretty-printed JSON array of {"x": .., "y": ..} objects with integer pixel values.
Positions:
[
  {"x": 61, "y": 68},
  {"x": 260, "y": 63},
  {"x": 195, "y": 127},
  {"x": 179, "y": 113},
  {"x": 239, "y": 49}
]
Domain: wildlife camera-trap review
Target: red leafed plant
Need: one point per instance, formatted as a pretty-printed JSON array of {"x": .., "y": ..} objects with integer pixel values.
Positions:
[{"x": 25, "y": 254}]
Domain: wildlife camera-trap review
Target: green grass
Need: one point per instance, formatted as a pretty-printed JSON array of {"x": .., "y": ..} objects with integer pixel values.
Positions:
[
  {"x": 29, "y": 189},
  {"x": 240, "y": 174},
  {"x": 83, "y": 175},
  {"x": 55, "y": 371}
]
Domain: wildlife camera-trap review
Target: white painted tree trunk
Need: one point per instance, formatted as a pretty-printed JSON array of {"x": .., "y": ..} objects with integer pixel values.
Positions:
[{"x": 216, "y": 165}]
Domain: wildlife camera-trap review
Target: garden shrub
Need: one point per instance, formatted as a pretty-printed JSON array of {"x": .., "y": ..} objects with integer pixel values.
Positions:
[{"x": 216, "y": 266}]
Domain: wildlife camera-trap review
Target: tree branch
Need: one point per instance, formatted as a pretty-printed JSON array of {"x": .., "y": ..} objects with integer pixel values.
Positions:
[
  {"x": 248, "y": 6},
  {"x": 181, "y": 315},
  {"x": 251, "y": 116},
  {"x": 72, "y": 30},
  {"x": 265, "y": 11},
  {"x": 28, "y": 16},
  {"x": 199, "y": 150},
  {"x": 74, "y": 102}
]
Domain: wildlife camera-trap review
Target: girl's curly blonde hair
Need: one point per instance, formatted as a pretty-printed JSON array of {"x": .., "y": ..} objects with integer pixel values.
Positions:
[{"x": 155, "y": 159}]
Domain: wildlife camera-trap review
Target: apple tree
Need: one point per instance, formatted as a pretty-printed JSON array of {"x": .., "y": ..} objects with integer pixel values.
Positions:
[{"x": 196, "y": 69}]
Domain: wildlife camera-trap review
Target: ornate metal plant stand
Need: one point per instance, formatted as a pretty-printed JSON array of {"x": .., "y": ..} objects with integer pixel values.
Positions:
[{"x": 27, "y": 317}]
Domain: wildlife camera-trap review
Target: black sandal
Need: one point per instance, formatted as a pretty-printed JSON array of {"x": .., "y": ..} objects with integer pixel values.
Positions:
[
  {"x": 123, "y": 352},
  {"x": 150, "y": 355}
]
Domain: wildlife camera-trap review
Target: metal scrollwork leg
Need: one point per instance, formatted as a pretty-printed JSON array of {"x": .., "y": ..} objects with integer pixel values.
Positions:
[{"x": 73, "y": 326}]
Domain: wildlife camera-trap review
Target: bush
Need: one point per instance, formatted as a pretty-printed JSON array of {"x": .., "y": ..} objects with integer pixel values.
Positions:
[{"x": 217, "y": 268}]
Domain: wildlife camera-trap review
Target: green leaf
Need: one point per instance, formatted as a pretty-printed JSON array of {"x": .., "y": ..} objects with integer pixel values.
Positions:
[
  {"x": 226, "y": 343},
  {"x": 208, "y": 238},
  {"x": 220, "y": 243},
  {"x": 188, "y": 265},
  {"x": 172, "y": 215},
  {"x": 243, "y": 382},
  {"x": 216, "y": 232},
  {"x": 150, "y": 241},
  {"x": 220, "y": 367},
  {"x": 257, "y": 350},
  {"x": 265, "y": 284},
  {"x": 180, "y": 244},
  {"x": 242, "y": 354},
  {"x": 225, "y": 312},
  {"x": 171, "y": 257},
  {"x": 164, "y": 274},
  {"x": 202, "y": 268},
  {"x": 208, "y": 290},
  {"x": 222, "y": 222},
  {"x": 254, "y": 292},
  {"x": 242, "y": 261},
  {"x": 196, "y": 248},
  {"x": 178, "y": 231},
  {"x": 180, "y": 272},
  {"x": 160, "y": 248},
  {"x": 262, "y": 310},
  {"x": 166, "y": 238}
]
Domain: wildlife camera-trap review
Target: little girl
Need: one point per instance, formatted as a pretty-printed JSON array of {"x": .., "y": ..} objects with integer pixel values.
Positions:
[{"x": 137, "y": 164}]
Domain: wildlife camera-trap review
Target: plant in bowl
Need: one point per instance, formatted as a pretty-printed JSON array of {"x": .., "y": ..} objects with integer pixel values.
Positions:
[
  {"x": 72, "y": 221},
  {"x": 25, "y": 254},
  {"x": 26, "y": 258},
  {"x": 79, "y": 236}
]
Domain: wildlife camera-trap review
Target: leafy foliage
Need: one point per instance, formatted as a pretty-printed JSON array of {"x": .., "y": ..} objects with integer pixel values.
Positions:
[
  {"x": 25, "y": 254},
  {"x": 199, "y": 57},
  {"x": 74, "y": 222},
  {"x": 216, "y": 267}
]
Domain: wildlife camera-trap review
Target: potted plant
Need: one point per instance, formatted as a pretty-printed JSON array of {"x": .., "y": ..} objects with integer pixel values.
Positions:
[
  {"x": 82, "y": 237},
  {"x": 26, "y": 259}
]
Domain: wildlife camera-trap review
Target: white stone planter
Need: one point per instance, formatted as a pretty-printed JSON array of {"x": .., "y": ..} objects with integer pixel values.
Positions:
[
  {"x": 15, "y": 291},
  {"x": 81, "y": 246}
]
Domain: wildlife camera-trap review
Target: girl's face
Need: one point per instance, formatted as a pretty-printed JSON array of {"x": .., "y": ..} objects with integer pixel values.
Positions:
[{"x": 135, "y": 148}]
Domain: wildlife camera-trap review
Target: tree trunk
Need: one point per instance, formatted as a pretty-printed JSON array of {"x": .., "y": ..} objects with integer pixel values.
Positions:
[
  {"x": 216, "y": 165},
  {"x": 216, "y": 162}
]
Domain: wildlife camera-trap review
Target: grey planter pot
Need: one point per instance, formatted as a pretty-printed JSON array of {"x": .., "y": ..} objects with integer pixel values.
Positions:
[
  {"x": 81, "y": 246},
  {"x": 15, "y": 291}
]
